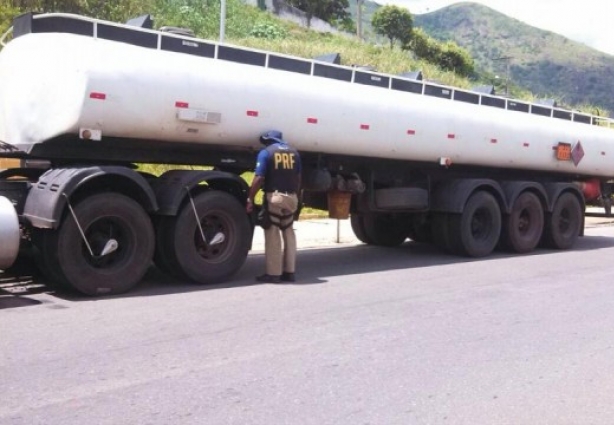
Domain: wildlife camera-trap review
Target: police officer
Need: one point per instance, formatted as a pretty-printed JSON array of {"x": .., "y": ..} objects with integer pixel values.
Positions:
[{"x": 278, "y": 169}]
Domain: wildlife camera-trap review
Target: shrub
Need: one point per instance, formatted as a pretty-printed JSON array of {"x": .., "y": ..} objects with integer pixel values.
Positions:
[{"x": 268, "y": 31}]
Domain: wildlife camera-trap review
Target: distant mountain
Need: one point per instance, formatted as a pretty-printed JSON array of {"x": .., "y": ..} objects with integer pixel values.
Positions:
[{"x": 547, "y": 64}]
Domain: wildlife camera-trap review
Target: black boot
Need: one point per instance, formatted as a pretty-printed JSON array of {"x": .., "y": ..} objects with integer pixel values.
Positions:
[
  {"x": 268, "y": 278},
  {"x": 288, "y": 277}
]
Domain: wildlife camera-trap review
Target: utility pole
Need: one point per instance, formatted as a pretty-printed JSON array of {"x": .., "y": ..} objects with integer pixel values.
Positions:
[
  {"x": 222, "y": 20},
  {"x": 359, "y": 4},
  {"x": 507, "y": 71}
]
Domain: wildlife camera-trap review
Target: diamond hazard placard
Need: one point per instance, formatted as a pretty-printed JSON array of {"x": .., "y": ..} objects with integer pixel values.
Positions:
[{"x": 577, "y": 153}]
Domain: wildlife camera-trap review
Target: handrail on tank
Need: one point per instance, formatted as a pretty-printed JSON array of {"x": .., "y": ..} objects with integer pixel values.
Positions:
[{"x": 586, "y": 118}]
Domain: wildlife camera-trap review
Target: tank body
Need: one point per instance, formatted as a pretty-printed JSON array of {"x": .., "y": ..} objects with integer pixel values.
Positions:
[{"x": 54, "y": 84}]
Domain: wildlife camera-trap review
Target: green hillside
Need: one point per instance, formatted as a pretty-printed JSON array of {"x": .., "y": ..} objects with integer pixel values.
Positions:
[{"x": 548, "y": 64}]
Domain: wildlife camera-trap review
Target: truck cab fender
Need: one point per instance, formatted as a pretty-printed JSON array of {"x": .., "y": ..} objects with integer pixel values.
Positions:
[
  {"x": 171, "y": 188},
  {"x": 450, "y": 196},
  {"x": 48, "y": 197}
]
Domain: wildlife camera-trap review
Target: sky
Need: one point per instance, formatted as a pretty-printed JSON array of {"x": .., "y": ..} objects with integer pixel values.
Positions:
[{"x": 587, "y": 21}]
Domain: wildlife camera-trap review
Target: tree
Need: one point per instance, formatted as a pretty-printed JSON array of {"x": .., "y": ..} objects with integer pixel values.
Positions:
[
  {"x": 347, "y": 25},
  {"x": 393, "y": 22},
  {"x": 454, "y": 58},
  {"x": 448, "y": 56},
  {"x": 330, "y": 11},
  {"x": 423, "y": 46}
]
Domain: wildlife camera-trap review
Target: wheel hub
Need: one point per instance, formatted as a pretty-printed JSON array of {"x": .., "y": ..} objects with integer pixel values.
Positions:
[{"x": 109, "y": 247}]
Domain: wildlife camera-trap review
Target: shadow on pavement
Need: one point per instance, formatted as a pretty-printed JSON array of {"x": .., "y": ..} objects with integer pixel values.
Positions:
[{"x": 315, "y": 266}]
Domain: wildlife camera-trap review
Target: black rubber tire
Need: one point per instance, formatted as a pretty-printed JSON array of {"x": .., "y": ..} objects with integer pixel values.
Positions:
[
  {"x": 103, "y": 216},
  {"x": 524, "y": 226},
  {"x": 164, "y": 259},
  {"x": 218, "y": 212},
  {"x": 45, "y": 258},
  {"x": 420, "y": 231},
  {"x": 476, "y": 231},
  {"x": 358, "y": 227},
  {"x": 384, "y": 229},
  {"x": 440, "y": 232},
  {"x": 563, "y": 225}
]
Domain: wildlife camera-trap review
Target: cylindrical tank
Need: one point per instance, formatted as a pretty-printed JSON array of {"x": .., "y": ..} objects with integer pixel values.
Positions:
[{"x": 55, "y": 83}]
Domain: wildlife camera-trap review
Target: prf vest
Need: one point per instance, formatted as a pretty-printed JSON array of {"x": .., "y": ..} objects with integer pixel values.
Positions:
[{"x": 282, "y": 170}]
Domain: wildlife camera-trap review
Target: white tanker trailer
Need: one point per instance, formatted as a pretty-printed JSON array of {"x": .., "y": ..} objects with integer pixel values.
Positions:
[{"x": 83, "y": 100}]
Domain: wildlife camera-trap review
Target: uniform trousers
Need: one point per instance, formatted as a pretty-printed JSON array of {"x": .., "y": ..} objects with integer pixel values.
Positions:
[{"x": 281, "y": 204}]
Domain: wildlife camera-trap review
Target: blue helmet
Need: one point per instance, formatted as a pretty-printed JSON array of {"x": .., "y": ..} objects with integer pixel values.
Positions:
[{"x": 271, "y": 136}]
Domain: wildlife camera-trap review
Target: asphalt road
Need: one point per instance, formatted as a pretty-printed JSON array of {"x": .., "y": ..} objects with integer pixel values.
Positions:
[{"x": 367, "y": 336}]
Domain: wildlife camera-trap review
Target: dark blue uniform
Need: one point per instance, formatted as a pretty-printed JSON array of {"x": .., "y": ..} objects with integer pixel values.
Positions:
[{"x": 280, "y": 165}]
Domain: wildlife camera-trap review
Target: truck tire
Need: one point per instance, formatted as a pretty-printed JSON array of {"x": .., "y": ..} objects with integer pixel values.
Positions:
[
  {"x": 564, "y": 223},
  {"x": 420, "y": 231},
  {"x": 163, "y": 259},
  {"x": 103, "y": 217},
  {"x": 191, "y": 256},
  {"x": 440, "y": 232},
  {"x": 524, "y": 226},
  {"x": 45, "y": 258},
  {"x": 384, "y": 229},
  {"x": 356, "y": 220},
  {"x": 476, "y": 231}
]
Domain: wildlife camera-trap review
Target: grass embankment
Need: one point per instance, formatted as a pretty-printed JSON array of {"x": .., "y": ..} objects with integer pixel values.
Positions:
[{"x": 251, "y": 27}]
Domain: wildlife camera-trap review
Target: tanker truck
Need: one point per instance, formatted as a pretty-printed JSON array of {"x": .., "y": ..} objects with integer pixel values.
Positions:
[{"x": 83, "y": 101}]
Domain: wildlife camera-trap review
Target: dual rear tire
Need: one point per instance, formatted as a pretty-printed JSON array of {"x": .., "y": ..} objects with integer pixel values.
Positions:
[
  {"x": 475, "y": 232},
  {"x": 181, "y": 250},
  {"x": 379, "y": 229},
  {"x": 524, "y": 226},
  {"x": 64, "y": 257},
  {"x": 481, "y": 227},
  {"x": 122, "y": 240},
  {"x": 564, "y": 223}
]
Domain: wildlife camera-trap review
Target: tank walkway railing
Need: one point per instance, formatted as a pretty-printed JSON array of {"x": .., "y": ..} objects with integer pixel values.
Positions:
[{"x": 76, "y": 24}]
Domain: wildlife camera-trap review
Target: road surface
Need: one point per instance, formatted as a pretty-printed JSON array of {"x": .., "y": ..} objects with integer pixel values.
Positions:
[{"x": 366, "y": 336}]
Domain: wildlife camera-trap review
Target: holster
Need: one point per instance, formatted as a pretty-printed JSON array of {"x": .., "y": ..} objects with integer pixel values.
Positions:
[{"x": 263, "y": 219}]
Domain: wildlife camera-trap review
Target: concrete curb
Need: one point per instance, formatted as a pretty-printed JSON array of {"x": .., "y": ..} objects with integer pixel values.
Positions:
[
  {"x": 326, "y": 232},
  {"x": 314, "y": 233}
]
